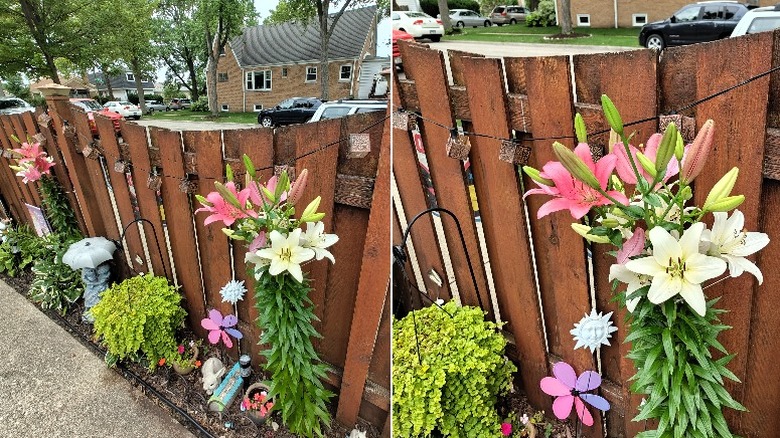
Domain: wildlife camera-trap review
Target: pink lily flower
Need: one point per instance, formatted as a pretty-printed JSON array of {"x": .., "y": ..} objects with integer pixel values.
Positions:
[
  {"x": 572, "y": 194},
  {"x": 626, "y": 172},
  {"x": 30, "y": 174},
  {"x": 257, "y": 196},
  {"x": 258, "y": 243},
  {"x": 30, "y": 151},
  {"x": 221, "y": 210}
]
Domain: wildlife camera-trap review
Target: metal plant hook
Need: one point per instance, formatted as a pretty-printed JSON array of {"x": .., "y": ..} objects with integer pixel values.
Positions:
[
  {"x": 156, "y": 241},
  {"x": 399, "y": 251}
]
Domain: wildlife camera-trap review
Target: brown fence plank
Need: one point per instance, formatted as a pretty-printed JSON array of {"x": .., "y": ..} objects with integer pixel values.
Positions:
[
  {"x": 138, "y": 146},
  {"x": 15, "y": 194},
  {"x": 407, "y": 176},
  {"x": 373, "y": 291},
  {"x": 446, "y": 173},
  {"x": 508, "y": 245},
  {"x": 24, "y": 136},
  {"x": 25, "y": 191},
  {"x": 736, "y": 144},
  {"x": 182, "y": 234},
  {"x": 119, "y": 184}
]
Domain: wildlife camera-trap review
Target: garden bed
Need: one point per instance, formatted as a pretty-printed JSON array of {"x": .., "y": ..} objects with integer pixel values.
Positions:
[{"x": 184, "y": 393}]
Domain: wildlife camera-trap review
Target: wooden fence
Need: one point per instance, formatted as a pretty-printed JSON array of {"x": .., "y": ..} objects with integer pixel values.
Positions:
[
  {"x": 543, "y": 277},
  {"x": 153, "y": 173}
]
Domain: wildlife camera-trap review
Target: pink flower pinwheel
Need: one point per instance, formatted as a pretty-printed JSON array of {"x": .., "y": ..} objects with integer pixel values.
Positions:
[
  {"x": 222, "y": 210},
  {"x": 626, "y": 172},
  {"x": 569, "y": 390},
  {"x": 220, "y": 327},
  {"x": 572, "y": 194}
]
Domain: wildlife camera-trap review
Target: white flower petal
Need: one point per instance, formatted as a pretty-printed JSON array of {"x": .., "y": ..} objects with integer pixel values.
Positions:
[
  {"x": 736, "y": 221},
  {"x": 738, "y": 265},
  {"x": 278, "y": 266},
  {"x": 267, "y": 253},
  {"x": 295, "y": 271},
  {"x": 277, "y": 239},
  {"x": 753, "y": 243},
  {"x": 646, "y": 266},
  {"x": 700, "y": 268},
  {"x": 620, "y": 272},
  {"x": 694, "y": 296},
  {"x": 299, "y": 255},
  {"x": 689, "y": 242},
  {"x": 631, "y": 304},
  {"x": 665, "y": 247},
  {"x": 663, "y": 287}
]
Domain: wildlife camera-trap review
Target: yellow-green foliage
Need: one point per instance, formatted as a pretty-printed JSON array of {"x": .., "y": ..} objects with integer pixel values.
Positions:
[
  {"x": 139, "y": 314},
  {"x": 463, "y": 371}
]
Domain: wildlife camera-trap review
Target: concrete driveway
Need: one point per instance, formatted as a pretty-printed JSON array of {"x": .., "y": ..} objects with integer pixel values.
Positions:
[
  {"x": 183, "y": 125},
  {"x": 524, "y": 49}
]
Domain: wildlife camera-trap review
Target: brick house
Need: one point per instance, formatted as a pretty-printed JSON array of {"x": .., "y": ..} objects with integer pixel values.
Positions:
[
  {"x": 628, "y": 13},
  {"x": 269, "y": 63}
]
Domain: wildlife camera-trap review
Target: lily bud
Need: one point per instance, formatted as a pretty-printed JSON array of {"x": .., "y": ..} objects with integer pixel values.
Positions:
[
  {"x": 699, "y": 150},
  {"x": 575, "y": 166},
  {"x": 666, "y": 149},
  {"x": 612, "y": 115},
  {"x": 583, "y": 230},
  {"x": 203, "y": 201},
  {"x": 250, "y": 167},
  {"x": 227, "y": 195},
  {"x": 646, "y": 164},
  {"x": 726, "y": 204},
  {"x": 722, "y": 188},
  {"x": 534, "y": 174},
  {"x": 229, "y": 172},
  {"x": 617, "y": 184},
  {"x": 679, "y": 149},
  {"x": 610, "y": 222},
  {"x": 686, "y": 193},
  {"x": 579, "y": 128},
  {"x": 296, "y": 191},
  {"x": 228, "y": 232},
  {"x": 310, "y": 212},
  {"x": 282, "y": 185},
  {"x": 614, "y": 138}
]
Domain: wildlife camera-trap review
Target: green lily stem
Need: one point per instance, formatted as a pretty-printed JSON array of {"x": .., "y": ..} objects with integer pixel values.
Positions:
[
  {"x": 624, "y": 139},
  {"x": 614, "y": 201}
]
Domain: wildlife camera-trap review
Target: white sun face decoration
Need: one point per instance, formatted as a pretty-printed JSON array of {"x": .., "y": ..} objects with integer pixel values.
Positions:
[{"x": 593, "y": 331}]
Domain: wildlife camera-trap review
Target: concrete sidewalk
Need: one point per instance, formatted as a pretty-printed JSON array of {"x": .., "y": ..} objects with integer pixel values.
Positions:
[{"x": 52, "y": 386}]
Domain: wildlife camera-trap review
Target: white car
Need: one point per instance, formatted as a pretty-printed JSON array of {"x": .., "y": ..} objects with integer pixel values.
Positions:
[
  {"x": 14, "y": 105},
  {"x": 123, "y": 108},
  {"x": 466, "y": 17},
  {"x": 418, "y": 24},
  {"x": 345, "y": 107},
  {"x": 758, "y": 20}
]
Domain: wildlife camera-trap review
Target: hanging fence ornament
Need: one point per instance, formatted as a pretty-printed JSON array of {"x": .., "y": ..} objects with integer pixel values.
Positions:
[
  {"x": 359, "y": 145},
  {"x": 90, "y": 152},
  {"x": 458, "y": 145},
  {"x": 44, "y": 119},
  {"x": 513, "y": 151},
  {"x": 39, "y": 138},
  {"x": 188, "y": 184},
  {"x": 69, "y": 131},
  {"x": 596, "y": 151},
  {"x": 121, "y": 166},
  {"x": 593, "y": 331},
  {"x": 401, "y": 120},
  {"x": 686, "y": 126},
  {"x": 233, "y": 291},
  {"x": 154, "y": 181},
  {"x": 282, "y": 168}
]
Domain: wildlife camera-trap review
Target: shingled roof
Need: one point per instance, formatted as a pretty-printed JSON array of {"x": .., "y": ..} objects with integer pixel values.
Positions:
[{"x": 290, "y": 43}]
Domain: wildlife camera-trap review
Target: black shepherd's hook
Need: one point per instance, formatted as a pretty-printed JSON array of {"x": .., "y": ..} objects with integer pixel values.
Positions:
[{"x": 156, "y": 240}]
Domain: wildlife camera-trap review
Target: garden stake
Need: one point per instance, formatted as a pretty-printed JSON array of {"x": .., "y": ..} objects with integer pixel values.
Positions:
[{"x": 156, "y": 240}]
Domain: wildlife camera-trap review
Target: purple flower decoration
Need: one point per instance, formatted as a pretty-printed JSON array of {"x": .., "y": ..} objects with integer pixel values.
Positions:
[
  {"x": 569, "y": 390},
  {"x": 220, "y": 327}
]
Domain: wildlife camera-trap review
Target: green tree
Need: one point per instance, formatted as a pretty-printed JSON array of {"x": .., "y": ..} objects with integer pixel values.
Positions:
[
  {"x": 179, "y": 42},
  {"x": 308, "y": 11},
  {"x": 15, "y": 86},
  {"x": 221, "y": 20}
]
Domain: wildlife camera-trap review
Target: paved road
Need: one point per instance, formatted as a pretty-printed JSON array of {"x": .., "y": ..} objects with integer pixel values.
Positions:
[
  {"x": 53, "y": 386},
  {"x": 523, "y": 49}
]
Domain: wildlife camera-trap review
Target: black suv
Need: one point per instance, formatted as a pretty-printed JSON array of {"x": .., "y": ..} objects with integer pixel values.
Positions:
[
  {"x": 292, "y": 110},
  {"x": 694, "y": 23}
]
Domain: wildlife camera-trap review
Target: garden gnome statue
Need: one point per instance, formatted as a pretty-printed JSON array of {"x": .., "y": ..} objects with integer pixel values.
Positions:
[{"x": 92, "y": 256}]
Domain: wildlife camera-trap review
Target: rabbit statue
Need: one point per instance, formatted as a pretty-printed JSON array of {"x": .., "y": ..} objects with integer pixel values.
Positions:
[{"x": 212, "y": 370}]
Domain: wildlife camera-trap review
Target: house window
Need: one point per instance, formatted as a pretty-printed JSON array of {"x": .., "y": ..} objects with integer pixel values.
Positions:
[
  {"x": 222, "y": 77},
  {"x": 258, "y": 107},
  {"x": 346, "y": 72},
  {"x": 225, "y": 107},
  {"x": 311, "y": 74},
  {"x": 583, "y": 20},
  {"x": 638, "y": 20},
  {"x": 258, "y": 80},
  {"x": 130, "y": 77},
  {"x": 284, "y": 72}
]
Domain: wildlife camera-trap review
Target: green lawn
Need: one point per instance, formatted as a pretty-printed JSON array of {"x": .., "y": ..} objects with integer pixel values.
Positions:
[
  {"x": 250, "y": 118},
  {"x": 519, "y": 33}
]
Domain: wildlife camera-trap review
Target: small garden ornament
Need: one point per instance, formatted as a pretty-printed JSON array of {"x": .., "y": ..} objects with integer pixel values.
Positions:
[
  {"x": 91, "y": 255},
  {"x": 212, "y": 370}
]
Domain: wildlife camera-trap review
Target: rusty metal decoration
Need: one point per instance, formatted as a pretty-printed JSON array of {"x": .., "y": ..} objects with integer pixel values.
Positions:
[
  {"x": 513, "y": 151},
  {"x": 458, "y": 145}
]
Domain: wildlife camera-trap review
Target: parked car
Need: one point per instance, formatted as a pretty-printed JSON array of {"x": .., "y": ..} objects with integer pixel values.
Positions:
[
  {"x": 344, "y": 107},
  {"x": 694, "y": 23},
  {"x": 289, "y": 111},
  {"x": 758, "y": 20},
  {"x": 510, "y": 14},
  {"x": 155, "y": 105},
  {"x": 466, "y": 17},
  {"x": 124, "y": 108},
  {"x": 90, "y": 106},
  {"x": 14, "y": 105},
  {"x": 177, "y": 104},
  {"x": 418, "y": 24},
  {"x": 399, "y": 35}
]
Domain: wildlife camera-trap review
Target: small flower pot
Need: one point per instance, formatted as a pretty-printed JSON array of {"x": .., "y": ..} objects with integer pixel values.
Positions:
[
  {"x": 183, "y": 370},
  {"x": 255, "y": 416}
]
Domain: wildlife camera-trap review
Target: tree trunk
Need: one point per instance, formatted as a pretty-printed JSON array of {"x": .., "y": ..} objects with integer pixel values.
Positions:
[
  {"x": 139, "y": 86},
  {"x": 324, "y": 68},
  {"x": 104, "y": 72},
  {"x": 211, "y": 72},
  {"x": 194, "y": 92},
  {"x": 444, "y": 13},
  {"x": 565, "y": 17},
  {"x": 32, "y": 18}
]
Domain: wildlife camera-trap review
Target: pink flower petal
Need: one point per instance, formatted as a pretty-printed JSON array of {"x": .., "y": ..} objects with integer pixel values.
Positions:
[
  {"x": 216, "y": 316},
  {"x": 214, "y": 336},
  {"x": 226, "y": 339},
  {"x": 554, "y": 387},
  {"x": 565, "y": 373},
  {"x": 562, "y": 406},
  {"x": 632, "y": 247},
  {"x": 583, "y": 412}
]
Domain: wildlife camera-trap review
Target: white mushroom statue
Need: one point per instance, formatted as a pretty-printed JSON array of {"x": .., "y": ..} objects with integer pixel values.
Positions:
[{"x": 91, "y": 256}]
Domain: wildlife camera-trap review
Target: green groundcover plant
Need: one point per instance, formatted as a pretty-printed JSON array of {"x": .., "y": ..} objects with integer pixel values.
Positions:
[
  {"x": 56, "y": 286},
  {"x": 448, "y": 373},
  {"x": 139, "y": 316},
  {"x": 637, "y": 199},
  {"x": 19, "y": 248}
]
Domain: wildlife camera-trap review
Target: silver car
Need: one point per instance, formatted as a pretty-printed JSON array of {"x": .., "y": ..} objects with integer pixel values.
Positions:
[
  {"x": 14, "y": 105},
  {"x": 155, "y": 105},
  {"x": 466, "y": 17},
  {"x": 508, "y": 14}
]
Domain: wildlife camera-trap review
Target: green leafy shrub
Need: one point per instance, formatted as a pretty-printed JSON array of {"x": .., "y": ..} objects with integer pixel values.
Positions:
[
  {"x": 20, "y": 249},
  {"x": 543, "y": 16},
  {"x": 463, "y": 371},
  {"x": 58, "y": 210},
  {"x": 431, "y": 7},
  {"x": 56, "y": 286},
  {"x": 201, "y": 105},
  {"x": 140, "y": 314}
]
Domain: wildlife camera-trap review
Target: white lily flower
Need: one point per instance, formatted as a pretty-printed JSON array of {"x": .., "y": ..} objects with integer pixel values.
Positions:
[
  {"x": 316, "y": 239},
  {"x": 632, "y": 279},
  {"x": 286, "y": 254},
  {"x": 677, "y": 267},
  {"x": 729, "y": 241}
]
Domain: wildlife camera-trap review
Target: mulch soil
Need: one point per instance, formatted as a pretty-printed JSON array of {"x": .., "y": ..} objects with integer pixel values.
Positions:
[{"x": 185, "y": 392}]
